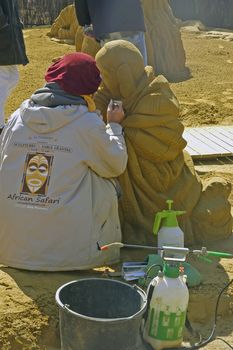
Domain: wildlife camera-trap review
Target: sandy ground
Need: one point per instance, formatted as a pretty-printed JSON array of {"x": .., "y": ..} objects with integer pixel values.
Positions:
[{"x": 28, "y": 313}]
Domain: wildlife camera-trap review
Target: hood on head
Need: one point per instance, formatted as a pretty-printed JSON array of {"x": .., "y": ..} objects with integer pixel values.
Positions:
[{"x": 121, "y": 65}]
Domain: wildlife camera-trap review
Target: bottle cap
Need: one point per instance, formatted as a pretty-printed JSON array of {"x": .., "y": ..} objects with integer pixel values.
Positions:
[{"x": 171, "y": 271}]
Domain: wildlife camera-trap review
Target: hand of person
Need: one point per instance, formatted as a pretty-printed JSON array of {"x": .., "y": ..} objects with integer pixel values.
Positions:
[{"x": 115, "y": 112}]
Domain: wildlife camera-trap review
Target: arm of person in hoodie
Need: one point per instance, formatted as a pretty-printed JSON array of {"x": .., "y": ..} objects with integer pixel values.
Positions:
[{"x": 108, "y": 154}]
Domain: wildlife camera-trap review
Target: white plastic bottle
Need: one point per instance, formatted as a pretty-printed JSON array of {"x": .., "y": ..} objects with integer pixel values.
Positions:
[
  {"x": 167, "y": 228},
  {"x": 167, "y": 310}
]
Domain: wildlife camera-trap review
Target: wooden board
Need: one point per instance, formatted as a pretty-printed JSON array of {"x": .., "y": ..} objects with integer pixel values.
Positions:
[{"x": 209, "y": 141}]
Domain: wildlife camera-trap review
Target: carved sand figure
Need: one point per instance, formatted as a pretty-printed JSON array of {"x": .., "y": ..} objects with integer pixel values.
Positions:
[
  {"x": 158, "y": 168},
  {"x": 65, "y": 25},
  {"x": 84, "y": 43},
  {"x": 66, "y": 28},
  {"x": 89, "y": 46},
  {"x": 164, "y": 44}
]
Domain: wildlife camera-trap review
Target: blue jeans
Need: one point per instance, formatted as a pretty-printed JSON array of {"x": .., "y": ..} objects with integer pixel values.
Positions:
[{"x": 136, "y": 38}]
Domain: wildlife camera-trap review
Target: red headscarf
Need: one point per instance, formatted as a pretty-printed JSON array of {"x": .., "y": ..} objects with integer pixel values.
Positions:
[{"x": 75, "y": 73}]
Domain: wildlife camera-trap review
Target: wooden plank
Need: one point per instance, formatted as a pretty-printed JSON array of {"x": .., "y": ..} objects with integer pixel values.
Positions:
[
  {"x": 225, "y": 135},
  {"x": 223, "y": 130},
  {"x": 209, "y": 141},
  {"x": 202, "y": 140},
  {"x": 226, "y": 128},
  {"x": 192, "y": 151},
  {"x": 213, "y": 139},
  {"x": 199, "y": 145}
]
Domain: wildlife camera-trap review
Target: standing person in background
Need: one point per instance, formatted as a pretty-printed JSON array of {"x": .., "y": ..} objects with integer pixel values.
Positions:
[
  {"x": 107, "y": 20},
  {"x": 12, "y": 51}
]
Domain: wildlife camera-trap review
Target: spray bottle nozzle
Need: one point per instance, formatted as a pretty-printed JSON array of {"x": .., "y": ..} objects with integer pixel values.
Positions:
[
  {"x": 205, "y": 254},
  {"x": 169, "y": 203},
  {"x": 103, "y": 247},
  {"x": 169, "y": 217}
]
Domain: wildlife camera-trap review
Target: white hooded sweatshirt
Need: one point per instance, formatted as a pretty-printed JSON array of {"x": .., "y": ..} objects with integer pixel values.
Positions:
[{"x": 57, "y": 199}]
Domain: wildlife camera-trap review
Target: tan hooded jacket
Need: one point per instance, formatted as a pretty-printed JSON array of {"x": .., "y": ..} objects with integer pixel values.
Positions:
[{"x": 57, "y": 198}]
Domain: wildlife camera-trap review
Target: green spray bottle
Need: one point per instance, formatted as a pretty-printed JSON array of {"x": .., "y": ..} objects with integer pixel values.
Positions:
[{"x": 167, "y": 228}]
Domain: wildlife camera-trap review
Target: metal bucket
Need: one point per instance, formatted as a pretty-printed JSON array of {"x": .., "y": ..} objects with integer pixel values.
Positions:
[{"x": 100, "y": 314}]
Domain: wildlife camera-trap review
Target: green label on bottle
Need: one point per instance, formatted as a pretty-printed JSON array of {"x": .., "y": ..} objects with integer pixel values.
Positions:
[{"x": 165, "y": 325}]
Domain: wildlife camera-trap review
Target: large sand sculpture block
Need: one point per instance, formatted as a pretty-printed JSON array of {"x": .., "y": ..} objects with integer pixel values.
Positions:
[
  {"x": 158, "y": 169},
  {"x": 65, "y": 25},
  {"x": 85, "y": 44},
  {"x": 66, "y": 28},
  {"x": 164, "y": 45},
  {"x": 90, "y": 46}
]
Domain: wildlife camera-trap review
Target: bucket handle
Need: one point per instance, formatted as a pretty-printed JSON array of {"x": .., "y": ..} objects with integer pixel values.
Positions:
[
  {"x": 149, "y": 297},
  {"x": 66, "y": 307},
  {"x": 135, "y": 286}
]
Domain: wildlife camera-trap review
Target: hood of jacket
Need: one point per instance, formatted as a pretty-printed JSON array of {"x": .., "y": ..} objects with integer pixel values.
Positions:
[
  {"x": 52, "y": 95},
  {"x": 42, "y": 119},
  {"x": 50, "y": 109}
]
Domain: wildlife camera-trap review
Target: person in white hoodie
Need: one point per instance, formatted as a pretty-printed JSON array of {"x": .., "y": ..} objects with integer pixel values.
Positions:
[{"x": 58, "y": 161}]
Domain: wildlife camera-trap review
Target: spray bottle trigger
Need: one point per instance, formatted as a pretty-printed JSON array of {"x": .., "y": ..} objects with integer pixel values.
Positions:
[{"x": 159, "y": 216}]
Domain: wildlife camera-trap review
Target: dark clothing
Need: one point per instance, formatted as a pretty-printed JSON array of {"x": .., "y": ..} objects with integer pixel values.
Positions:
[
  {"x": 110, "y": 16},
  {"x": 12, "y": 48}
]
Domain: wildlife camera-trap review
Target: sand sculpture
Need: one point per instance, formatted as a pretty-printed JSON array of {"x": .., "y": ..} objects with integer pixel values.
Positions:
[
  {"x": 158, "y": 168},
  {"x": 65, "y": 25},
  {"x": 163, "y": 38},
  {"x": 66, "y": 29},
  {"x": 89, "y": 46},
  {"x": 85, "y": 44}
]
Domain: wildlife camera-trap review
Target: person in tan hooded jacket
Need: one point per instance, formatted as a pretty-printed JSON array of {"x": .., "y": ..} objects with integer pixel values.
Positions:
[
  {"x": 57, "y": 163},
  {"x": 158, "y": 168}
]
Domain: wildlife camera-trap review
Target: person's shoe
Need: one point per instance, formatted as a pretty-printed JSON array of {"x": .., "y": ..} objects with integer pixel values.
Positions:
[{"x": 1, "y": 128}]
